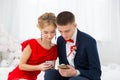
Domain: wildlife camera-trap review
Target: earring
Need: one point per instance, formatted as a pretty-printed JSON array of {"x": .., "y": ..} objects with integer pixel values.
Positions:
[
  {"x": 55, "y": 36},
  {"x": 41, "y": 36}
]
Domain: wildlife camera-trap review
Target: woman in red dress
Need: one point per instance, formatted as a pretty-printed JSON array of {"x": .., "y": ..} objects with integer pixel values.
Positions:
[{"x": 37, "y": 54}]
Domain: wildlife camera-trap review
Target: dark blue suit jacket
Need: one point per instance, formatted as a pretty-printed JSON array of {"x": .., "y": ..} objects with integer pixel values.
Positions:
[{"x": 86, "y": 59}]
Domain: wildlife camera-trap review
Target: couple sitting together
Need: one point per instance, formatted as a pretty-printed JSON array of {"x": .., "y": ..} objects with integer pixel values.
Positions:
[{"x": 76, "y": 51}]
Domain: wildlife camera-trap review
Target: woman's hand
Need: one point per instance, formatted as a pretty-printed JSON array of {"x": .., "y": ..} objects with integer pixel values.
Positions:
[{"x": 44, "y": 66}]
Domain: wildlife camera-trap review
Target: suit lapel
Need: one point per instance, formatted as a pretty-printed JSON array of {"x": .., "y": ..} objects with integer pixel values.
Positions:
[
  {"x": 64, "y": 52},
  {"x": 77, "y": 43},
  {"x": 78, "y": 38}
]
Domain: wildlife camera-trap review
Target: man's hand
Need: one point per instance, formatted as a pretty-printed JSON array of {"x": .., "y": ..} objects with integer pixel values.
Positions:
[{"x": 70, "y": 72}]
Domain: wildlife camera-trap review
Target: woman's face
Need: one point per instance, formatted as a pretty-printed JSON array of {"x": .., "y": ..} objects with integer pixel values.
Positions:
[{"x": 48, "y": 32}]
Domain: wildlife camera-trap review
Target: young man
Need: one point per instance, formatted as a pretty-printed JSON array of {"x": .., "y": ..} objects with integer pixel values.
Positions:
[{"x": 77, "y": 50}]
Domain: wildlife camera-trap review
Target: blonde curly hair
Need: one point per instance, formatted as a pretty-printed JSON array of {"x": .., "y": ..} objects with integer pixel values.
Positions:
[{"x": 46, "y": 19}]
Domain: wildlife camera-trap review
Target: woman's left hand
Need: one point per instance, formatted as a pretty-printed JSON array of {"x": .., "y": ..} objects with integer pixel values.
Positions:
[{"x": 44, "y": 66}]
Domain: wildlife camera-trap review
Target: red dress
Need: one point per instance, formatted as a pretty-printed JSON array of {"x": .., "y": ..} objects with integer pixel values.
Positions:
[{"x": 38, "y": 56}]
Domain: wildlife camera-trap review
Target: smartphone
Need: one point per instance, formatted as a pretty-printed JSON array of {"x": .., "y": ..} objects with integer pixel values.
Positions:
[
  {"x": 49, "y": 62},
  {"x": 63, "y": 66}
]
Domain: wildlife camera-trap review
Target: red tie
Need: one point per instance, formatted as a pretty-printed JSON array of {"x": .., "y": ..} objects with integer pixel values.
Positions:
[{"x": 70, "y": 40}]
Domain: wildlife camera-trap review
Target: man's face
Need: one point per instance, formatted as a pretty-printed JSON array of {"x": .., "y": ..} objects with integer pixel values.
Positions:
[{"x": 67, "y": 30}]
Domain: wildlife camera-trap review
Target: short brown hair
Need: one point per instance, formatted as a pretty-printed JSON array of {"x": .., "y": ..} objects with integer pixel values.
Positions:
[
  {"x": 65, "y": 18},
  {"x": 46, "y": 19}
]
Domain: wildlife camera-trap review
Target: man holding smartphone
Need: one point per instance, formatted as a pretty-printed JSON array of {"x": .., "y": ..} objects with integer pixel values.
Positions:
[{"x": 77, "y": 52}]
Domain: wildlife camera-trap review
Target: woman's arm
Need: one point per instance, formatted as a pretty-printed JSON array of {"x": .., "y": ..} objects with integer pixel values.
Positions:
[{"x": 24, "y": 58}]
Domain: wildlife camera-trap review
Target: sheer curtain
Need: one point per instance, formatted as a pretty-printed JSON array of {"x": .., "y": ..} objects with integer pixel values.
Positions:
[
  {"x": 95, "y": 18},
  {"x": 19, "y": 17}
]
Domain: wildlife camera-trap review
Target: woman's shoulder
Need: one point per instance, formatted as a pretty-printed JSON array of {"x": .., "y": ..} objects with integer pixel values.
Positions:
[
  {"x": 28, "y": 41},
  {"x": 33, "y": 40},
  {"x": 53, "y": 45}
]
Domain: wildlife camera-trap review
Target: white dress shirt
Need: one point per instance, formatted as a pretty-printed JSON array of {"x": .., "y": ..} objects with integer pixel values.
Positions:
[{"x": 71, "y": 57}]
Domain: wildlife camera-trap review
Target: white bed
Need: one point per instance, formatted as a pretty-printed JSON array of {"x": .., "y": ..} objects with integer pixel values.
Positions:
[{"x": 109, "y": 72}]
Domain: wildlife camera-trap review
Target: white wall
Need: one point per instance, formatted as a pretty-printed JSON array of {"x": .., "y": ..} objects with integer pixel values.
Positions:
[
  {"x": 110, "y": 50},
  {"x": 100, "y": 18}
]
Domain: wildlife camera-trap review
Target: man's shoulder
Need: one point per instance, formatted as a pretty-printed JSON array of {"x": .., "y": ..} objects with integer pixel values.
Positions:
[
  {"x": 85, "y": 37},
  {"x": 60, "y": 38}
]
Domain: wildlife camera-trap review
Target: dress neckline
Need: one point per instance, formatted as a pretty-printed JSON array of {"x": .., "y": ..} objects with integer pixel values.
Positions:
[{"x": 42, "y": 46}]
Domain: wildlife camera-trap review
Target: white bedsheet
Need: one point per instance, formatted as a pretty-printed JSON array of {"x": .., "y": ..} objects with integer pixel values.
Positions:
[{"x": 109, "y": 72}]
